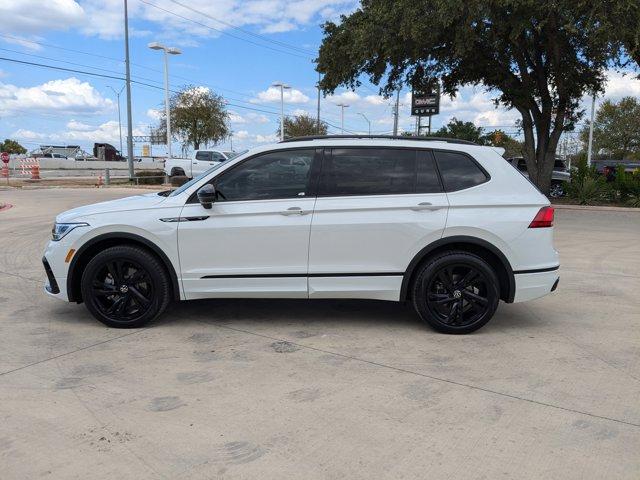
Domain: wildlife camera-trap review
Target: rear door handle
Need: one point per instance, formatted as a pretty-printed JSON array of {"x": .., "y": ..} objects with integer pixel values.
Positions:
[
  {"x": 426, "y": 206},
  {"x": 293, "y": 211}
]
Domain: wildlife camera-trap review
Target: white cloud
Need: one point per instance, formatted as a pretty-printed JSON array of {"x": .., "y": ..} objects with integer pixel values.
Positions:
[
  {"x": 621, "y": 85},
  {"x": 154, "y": 114},
  {"x": 78, "y": 133},
  {"x": 28, "y": 17},
  {"x": 103, "y": 18},
  {"x": 70, "y": 96},
  {"x": 75, "y": 125},
  {"x": 272, "y": 138},
  {"x": 272, "y": 95},
  {"x": 235, "y": 117}
]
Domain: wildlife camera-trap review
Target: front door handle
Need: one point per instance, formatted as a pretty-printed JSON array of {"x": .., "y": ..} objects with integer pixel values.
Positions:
[
  {"x": 293, "y": 211},
  {"x": 426, "y": 206}
]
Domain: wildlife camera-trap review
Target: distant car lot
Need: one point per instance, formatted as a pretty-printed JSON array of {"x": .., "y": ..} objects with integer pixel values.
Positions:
[{"x": 336, "y": 389}]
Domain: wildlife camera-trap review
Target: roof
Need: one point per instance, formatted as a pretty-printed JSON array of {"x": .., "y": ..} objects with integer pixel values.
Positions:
[{"x": 377, "y": 137}]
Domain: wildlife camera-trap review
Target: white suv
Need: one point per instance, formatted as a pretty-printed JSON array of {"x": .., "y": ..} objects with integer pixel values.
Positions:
[{"x": 446, "y": 225}]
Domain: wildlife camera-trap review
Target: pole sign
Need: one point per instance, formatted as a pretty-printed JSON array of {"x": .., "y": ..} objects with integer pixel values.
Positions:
[
  {"x": 5, "y": 157},
  {"x": 424, "y": 103}
]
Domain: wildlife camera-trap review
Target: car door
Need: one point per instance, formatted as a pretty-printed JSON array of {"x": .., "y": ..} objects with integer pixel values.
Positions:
[
  {"x": 254, "y": 241},
  {"x": 201, "y": 163},
  {"x": 376, "y": 209}
]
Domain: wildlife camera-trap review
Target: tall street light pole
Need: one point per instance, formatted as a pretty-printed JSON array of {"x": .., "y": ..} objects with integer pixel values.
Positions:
[
  {"x": 117, "y": 93},
  {"x": 282, "y": 87},
  {"x": 318, "y": 115},
  {"x": 396, "y": 112},
  {"x": 342, "y": 107},
  {"x": 128, "y": 84},
  {"x": 167, "y": 110},
  {"x": 368, "y": 121},
  {"x": 590, "y": 146}
]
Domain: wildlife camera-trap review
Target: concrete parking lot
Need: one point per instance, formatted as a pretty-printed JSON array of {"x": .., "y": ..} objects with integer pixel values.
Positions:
[{"x": 329, "y": 390}]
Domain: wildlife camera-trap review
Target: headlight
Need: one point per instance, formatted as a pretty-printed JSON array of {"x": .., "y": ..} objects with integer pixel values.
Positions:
[{"x": 59, "y": 230}]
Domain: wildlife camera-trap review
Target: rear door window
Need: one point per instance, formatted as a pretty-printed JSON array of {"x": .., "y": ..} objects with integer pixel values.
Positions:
[
  {"x": 459, "y": 171},
  {"x": 368, "y": 171}
]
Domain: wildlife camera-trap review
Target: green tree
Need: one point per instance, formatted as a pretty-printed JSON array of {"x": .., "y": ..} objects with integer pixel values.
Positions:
[
  {"x": 11, "y": 146},
  {"x": 302, "y": 125},
  {"x": 616, "y": 129},
  {"x": 538, "y": 57},
  {"x": 498, "y": 138},
  {"x": 198, "y": 117},
  {"x": 460, "y": 130}
]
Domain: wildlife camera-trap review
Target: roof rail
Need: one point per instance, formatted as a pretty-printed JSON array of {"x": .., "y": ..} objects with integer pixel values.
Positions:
[{"x": 383, "y": 137}]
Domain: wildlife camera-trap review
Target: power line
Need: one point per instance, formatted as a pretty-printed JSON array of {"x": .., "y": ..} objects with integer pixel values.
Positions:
[
  {"x": 222, "y": 32},
  {"x": 246, "y": 32}
]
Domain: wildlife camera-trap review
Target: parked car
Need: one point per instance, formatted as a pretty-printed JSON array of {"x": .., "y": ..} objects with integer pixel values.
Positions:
[
  {"x": 446, "y": 225},
  {"x": 191, "y": 167},
  {"x": 559, "y": 178}
]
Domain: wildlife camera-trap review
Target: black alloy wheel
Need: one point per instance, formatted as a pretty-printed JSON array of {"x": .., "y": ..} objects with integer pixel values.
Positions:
[
  {"x": 125, "y": 286},
  {"x": 457, "y": 292}
]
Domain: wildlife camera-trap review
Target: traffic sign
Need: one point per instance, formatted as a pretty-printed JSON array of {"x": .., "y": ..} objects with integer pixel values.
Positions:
[
  {"x": 425, "y": 103},
  {"x": 4, "y": 156}
]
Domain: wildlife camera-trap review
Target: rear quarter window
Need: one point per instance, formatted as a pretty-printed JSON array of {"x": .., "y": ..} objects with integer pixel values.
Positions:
[{"x": 459, "y": 171}]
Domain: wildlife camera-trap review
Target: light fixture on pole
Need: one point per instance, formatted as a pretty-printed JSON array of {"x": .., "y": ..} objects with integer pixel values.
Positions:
[
  {"x": 282, "y": 87},
  {"x": 342, "y": 107},
  {"x": 167, "y": 51},
  {"x": 368, "y": 121},
  {"x": 117, "y": 93}
]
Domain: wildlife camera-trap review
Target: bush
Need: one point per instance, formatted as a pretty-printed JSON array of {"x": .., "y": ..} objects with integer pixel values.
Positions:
[
  {"x": 588, "y": 189},
  {"x": 150, "y": 177}
]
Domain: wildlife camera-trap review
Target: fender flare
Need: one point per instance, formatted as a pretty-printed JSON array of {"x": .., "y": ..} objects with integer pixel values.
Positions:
[
  {"x": 457, "y": 239},
  {"x": 71, "y": 278}
]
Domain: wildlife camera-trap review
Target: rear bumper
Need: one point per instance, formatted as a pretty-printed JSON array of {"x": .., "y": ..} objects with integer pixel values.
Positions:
[{"x": 531, "y": 285}]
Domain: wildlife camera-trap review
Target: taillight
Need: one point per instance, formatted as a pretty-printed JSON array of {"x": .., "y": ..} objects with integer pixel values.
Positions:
[{"x": 543, "y": 219}]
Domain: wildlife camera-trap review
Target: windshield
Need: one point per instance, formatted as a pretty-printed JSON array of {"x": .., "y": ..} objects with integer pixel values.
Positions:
[{"x": 194, "y": 180}]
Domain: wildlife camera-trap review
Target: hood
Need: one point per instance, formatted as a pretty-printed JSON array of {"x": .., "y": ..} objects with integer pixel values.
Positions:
[{"x": 136, "y": 202}]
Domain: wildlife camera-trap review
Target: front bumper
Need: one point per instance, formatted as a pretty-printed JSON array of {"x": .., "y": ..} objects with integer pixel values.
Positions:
[{"x": 535, "y": 285}]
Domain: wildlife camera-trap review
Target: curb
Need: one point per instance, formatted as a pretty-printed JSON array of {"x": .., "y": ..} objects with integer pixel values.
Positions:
[{"x": 595, "y": 208}]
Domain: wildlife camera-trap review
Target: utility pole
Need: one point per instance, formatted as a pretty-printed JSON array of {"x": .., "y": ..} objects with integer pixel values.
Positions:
[
  {"x": 119, "y": 120},
  {"x": 167, "y": 109},
  {"x": 368, "y": 121},
  {"x": 396, "y": 113},
  {"x": 282, "y": 87},
  {"x": 590, "y": 147},
  {"x": 318, "y": 115},
  {"x": 128, "y": 83},
  {"x": 342, "y": 107}
]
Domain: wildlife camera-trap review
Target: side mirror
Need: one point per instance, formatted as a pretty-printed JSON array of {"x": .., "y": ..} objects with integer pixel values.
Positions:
[{"x": 207, "y": 195}]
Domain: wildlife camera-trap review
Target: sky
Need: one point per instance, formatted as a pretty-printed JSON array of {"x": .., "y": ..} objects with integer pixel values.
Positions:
[{"x": 236, "y": 48}]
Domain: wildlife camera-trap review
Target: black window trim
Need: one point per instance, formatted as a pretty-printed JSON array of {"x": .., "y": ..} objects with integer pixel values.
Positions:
[
  {"x": 312, "y": 186},
  {"x": 445, "y": 150},
  {"x": 329, "y": 153}
]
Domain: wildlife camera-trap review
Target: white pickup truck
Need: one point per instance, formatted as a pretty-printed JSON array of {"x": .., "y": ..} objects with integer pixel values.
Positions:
[{"x": 201, "y": 161}]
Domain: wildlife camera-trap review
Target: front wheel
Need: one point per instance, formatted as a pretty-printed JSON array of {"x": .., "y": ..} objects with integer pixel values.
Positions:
[
  {"x": 456, "y": 292},
  {"x": 125, "y": 286}
]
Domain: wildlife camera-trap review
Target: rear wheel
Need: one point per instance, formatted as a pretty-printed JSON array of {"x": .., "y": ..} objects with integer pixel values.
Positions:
[
  {"x": 556, "y": 190},
  {"x": 125, "y": 286},
  {"x": 456, "y": 292}
]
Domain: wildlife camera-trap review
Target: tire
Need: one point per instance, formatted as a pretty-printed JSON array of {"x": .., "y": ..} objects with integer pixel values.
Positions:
[
  {"x": 556, "y": 190},
  {"x": 456, "y": 292},
  {"x": 177, "y": 172},
  {"x": 125, "y": 287}
]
